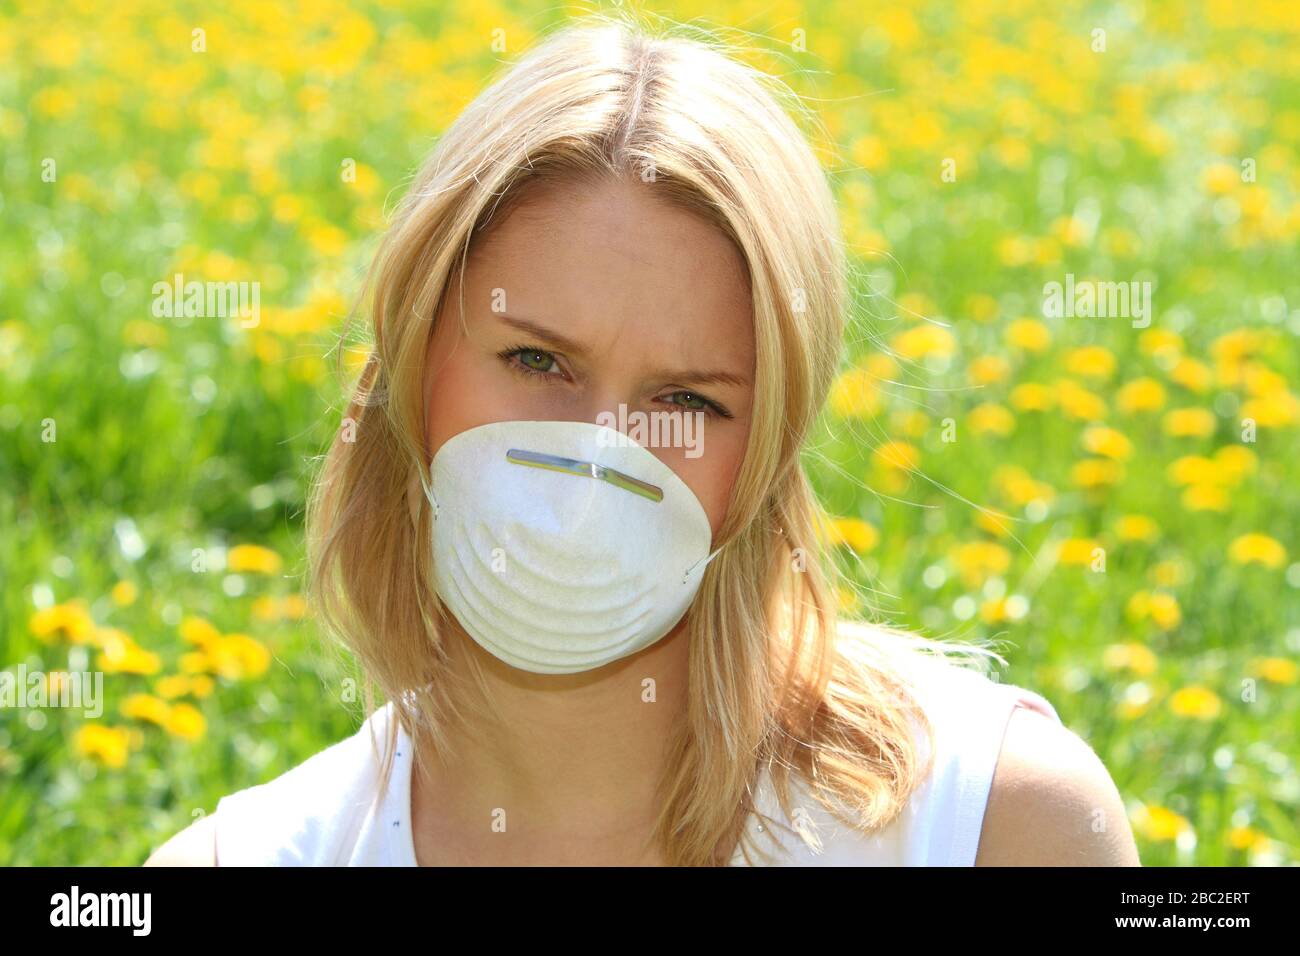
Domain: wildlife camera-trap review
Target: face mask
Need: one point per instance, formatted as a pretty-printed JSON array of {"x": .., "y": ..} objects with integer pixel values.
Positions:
[{"x": 561, "y": 546}]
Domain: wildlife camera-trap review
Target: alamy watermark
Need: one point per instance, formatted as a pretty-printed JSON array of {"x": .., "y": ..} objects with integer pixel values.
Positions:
[
  {"x": 84, "y": 689},
  {"x": 1098, "y": 300},
  {"x": 195, "y": 299},
  {"x": 654, "y": 430}
]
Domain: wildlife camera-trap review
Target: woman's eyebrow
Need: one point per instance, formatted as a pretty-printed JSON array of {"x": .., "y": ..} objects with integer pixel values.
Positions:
[
  {"x": 548, "y": 336},
  {"x": 701, "y": 377},
  {"x": 573, "y": 347}
]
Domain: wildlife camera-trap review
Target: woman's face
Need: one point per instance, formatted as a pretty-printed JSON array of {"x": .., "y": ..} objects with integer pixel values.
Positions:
[{"x": 588, "y": 298}]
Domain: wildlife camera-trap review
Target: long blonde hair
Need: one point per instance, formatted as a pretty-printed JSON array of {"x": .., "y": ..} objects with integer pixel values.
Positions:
[{"x": 778, "y": 684}]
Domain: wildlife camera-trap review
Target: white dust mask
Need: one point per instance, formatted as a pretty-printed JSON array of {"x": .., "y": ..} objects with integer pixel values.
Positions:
[{"x": 561, "y": 546}]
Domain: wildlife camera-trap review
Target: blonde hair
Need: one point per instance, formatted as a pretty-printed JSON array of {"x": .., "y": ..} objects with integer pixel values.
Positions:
[{"x": 778, "y": 684}]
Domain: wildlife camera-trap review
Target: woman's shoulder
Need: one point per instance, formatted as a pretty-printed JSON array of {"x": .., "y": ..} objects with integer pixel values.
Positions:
[
  {"x": 1053, "y": 802},
  {"x": 1031, "y": 790},
  {"x": 307, "y": 816},
  {"x": 967, "y": 711}
]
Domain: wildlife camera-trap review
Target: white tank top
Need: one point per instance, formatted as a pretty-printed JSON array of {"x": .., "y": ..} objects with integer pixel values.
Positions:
[{"x": 323, "y": 812}]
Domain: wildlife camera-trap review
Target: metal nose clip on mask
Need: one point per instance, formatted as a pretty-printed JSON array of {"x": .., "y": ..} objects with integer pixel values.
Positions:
[{"x": 562, "y": 546}]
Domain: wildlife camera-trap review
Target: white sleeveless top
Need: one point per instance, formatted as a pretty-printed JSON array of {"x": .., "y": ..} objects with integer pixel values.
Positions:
[{"x": 323, "y": 812}]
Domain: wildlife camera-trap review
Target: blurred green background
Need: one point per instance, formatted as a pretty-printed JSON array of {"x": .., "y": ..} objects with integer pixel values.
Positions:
[{"x": 1119, "y": 504}]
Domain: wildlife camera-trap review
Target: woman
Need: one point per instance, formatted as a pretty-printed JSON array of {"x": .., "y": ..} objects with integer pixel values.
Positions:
[{"x": 626, "y": 652}]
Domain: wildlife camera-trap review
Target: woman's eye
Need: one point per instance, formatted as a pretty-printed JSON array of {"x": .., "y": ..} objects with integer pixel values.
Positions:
[
  {"x": 698, "y": 403},
  {"x": 691, "y": 401},
  {"x": 530, "y": 360},
  {"x": 536, "y": 360}
]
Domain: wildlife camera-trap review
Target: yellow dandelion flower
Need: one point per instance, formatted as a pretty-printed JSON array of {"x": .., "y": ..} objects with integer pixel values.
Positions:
[
  {"x": 854, "y": 532},
  {"x": 1159, "y": 824},
  {"x": 1164, "y": 610},
  {"x": 1233, "y": 347},
  {"x": 1257, "y": 549},
  {"x": 1189, "y": 423},
  {"x": 982, "y": 307},
  {"x": 1220, "y": 178},
  {"x": 1091, "y": 361},
  {"x": 991, "y": 418},
  {"x": 172, "y": 686},
  {"x": 185, "y": 721},
  {"x": 1030, "y": 335},
  {"x": 124, "y": 593},
  {"x": 976, "y": 561},
  {"x": 908, "y": 421},
  {"x": 1079, "y": 403},
  {"x": 916, "y": 305},
  {"x": 1031, "y": 397},
  {"x": 1260, "y": 380},
  {"x": 252, "y": 557},
  {"x": 1140, "y": 395},
  {"x": 1249, "y": 839},
  {"x": 265, "y": 608},
  {"x": 195, "y": 662},
  {"x": 846, "y": 599},
  {"x": 989, "y": 370},
  {"x": 1047, "y": 251},
  {"x": 70, "y": 621},
  {"x": 326, "y": 238},
  {"x": 108, "y": 745},
  {"x": 1131, "y": 656},
  {"x": 1017, "y": 485},
  {"x": 1155, "y": 341},
  {"x": 196, "y": 630},
  {"x": 855, "y": 394},
  {"x": 238, "y": 656},
  {"x": 898, "y": 454},
  {"x": 1276, "y": 410},
  {"x": 1204, "y": 496},
  {"x": 287, "y": 208},
  {"x": 1193, "y": 469},
  {"x": 881, "y": 366},
  {"x": 1235, "y": 462},
  {"x": 1159, "y": 606},
  {"x": 1077, "y": 551},
  {"x": 923, "y": 340},
  {"x": 1136, "y": 528},
  {"x": 1100, "y": 440},
  {"x": 1070, "y": 231},
  {"x": 1096, "y": 473},
  {"x": 1192, "y": 375},
  {"x": 293, "y": 606},
  {"x": 1014, "y": 250},
  {"x": 1277, "y": 670},
  {"x": 146, "y": 707},
  {"x": 122, "y": 655},
  {"x": 994, "y": 611},
  {"x": 1197, "y": 702}
]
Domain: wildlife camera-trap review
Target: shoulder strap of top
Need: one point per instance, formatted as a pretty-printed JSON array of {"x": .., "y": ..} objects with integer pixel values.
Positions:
[
  {"x": 974, "y": 722},
  {"x": 310, "y": 815},
  {"x": 968, "y": 713}
]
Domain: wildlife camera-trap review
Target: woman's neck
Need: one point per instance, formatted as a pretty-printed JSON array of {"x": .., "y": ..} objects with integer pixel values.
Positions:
[{"x": 567, "y": 774}]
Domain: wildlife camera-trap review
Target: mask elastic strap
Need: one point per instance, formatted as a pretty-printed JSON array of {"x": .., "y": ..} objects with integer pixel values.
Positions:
[{"x": 703, "y": 562}]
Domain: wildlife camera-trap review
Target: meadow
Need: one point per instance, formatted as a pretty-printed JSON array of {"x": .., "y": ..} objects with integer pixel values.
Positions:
[{"x": 1114, "y": 496}]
